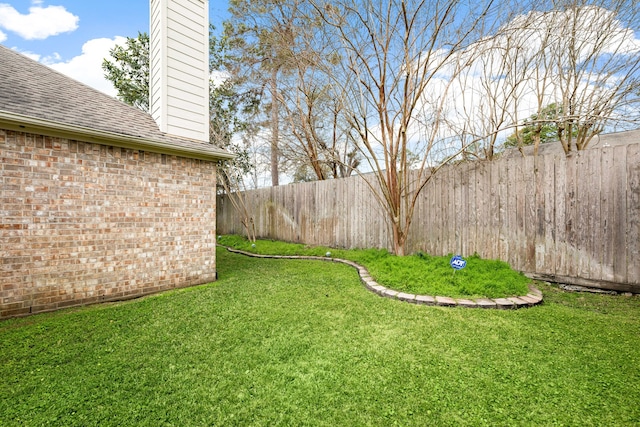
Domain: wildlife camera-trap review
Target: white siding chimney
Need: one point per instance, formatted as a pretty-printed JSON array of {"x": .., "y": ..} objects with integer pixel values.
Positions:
[{"x": 179, "y": 67}]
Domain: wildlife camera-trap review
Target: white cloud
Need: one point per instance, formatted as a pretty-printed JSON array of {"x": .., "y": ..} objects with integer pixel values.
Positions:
[
  {"x": 218, "y": 77},
  {"x": 39, "y": 23},
  {"x": 500, "y": 87},
  {"x": 3, "y": 36},
  {"x": 87, "y": 67},
  {"x": 34, "y": 56}
]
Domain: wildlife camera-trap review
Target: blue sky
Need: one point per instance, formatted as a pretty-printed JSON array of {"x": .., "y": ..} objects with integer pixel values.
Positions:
[{"x": 72, "y": 36}]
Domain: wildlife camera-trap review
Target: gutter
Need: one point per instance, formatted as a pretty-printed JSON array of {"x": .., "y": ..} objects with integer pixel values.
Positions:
[{"x": 21, "y": 123}]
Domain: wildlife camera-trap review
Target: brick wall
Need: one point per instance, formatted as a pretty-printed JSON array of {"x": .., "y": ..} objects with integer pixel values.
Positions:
[{"x": 83, "y": 223}]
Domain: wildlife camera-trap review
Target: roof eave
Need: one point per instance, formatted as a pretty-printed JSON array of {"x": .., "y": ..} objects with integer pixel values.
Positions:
[{"x": 22, "y": 123}]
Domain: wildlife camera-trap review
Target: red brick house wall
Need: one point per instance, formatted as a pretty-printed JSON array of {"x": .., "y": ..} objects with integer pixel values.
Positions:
[{"x": 83, "y": 222}]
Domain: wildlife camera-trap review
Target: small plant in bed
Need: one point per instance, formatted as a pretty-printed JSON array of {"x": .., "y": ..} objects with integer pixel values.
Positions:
[{"x": 419, "y": 273}]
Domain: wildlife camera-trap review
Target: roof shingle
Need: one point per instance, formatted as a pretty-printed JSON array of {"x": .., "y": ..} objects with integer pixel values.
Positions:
[{"x": 33, "y": 90}]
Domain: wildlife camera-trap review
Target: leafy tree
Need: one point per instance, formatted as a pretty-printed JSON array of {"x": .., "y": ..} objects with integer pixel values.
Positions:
[
  {"x": 542, "y": 124},
  {"x": 263, "y": 35},
  {"x": 230, "y": 105},
  {"x": 129, "y": 71},
  {"x": 280, "y": 50}
]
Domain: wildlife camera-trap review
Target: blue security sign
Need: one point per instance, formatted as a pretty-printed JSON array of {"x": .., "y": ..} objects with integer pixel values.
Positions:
[{"x": 457, "y": 262}]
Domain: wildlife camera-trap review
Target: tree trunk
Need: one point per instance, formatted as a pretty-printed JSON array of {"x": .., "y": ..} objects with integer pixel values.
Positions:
[
  {"x": 275, "y": 115},
  {"x": 398, "y": 239}
]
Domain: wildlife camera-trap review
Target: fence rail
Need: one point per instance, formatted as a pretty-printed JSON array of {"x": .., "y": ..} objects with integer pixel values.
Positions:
[{"x": 571, "y": 220}]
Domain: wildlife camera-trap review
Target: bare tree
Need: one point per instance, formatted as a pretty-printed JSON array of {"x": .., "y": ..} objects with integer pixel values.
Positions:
[
  {"x": 396, "y": 61},
  {"x": 571, "y": 66},
  {"x": 586, "y": 62},
  {"x": 305, "y": 100},
  {"x": 234, "y": 188},
  {"x": 321, "y": 140},
  {"x": 597, "y": 70},
  {"x": 488, "y": 91}
]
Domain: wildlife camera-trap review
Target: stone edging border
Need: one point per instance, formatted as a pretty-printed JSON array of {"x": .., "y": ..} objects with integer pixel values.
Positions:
[{"x": 534, "y": 297}]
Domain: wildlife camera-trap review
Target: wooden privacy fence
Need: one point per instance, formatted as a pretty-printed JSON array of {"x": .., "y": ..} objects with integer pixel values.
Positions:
[{"x": 571, "y": 220}]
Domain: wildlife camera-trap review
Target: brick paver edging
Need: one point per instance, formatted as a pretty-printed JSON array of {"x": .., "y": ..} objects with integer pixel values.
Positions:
[{"x": 534, "y": 297}]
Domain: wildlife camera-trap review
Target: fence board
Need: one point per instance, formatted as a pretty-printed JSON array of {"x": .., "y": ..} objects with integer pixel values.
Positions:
[
  {"x": 582, "y": 195},
  {"x": 493, "y": 235},
  {"x": 456, "y": 212},
  {"x": 606, "y": 213},
  {"x": 337, "y": 194},
  {"x": 530, "y": 213},
  {"x": 572, "y": 221},
  {"x": 472, "y": 209},
  {"x": 426, "y": 234},
  {"x": 521, "y": 240},
  {"x": 548, "y": 187},
  {"x": 489, "y": 211},
  {"x": 511, "y": 203},
  {"x": 633, "y": 214},
  {"x": 503, "y": 220},
  {"x": 462, "y": 218},
  {"x": 438, "y": 224},
  {"x": 560, "y": 229},
  {"x": 446, "y": 214},
  {"x": 595, "y": 221},
  {"x": 484, "y": 209},
  {"x": 540, "y": 225}
]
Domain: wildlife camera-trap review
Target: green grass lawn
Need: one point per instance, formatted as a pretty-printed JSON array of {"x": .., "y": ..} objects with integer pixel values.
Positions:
[
  {"x": 419, "y": 274},
  {"x": 290, "y": 343}
]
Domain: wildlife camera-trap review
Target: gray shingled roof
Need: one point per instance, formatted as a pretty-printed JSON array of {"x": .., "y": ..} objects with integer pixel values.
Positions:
[{"x": 32, "y": 90}]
